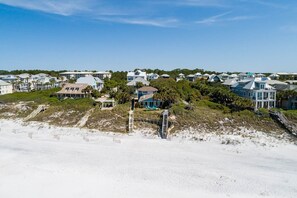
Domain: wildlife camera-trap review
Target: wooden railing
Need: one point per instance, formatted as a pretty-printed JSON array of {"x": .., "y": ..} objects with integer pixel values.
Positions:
[{"x": 283, "y": 120}]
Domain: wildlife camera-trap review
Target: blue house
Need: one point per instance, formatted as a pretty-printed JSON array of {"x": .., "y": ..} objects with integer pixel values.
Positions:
[
  {"x": 257, "y": 90},
  {"x": 146, "y": 99}
]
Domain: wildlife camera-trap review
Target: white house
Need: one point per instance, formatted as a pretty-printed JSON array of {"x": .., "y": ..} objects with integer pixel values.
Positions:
[
  {"x": 78, "y": 74},
  {"x": 181, "y": 76},
  {"x": 134, "y": 82},
  {"x": 165, "y": 76},
  {"x": 95, "y": 82},
  {"x": 258, "y": 90},
  {"x": 137, "y": 74},
  {"x": 5, "y": 88},
  {"x": 152, "y": 76}
]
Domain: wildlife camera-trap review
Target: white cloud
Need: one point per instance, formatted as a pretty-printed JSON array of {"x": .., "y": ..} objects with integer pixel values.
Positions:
[
  {"x": 62, "y": 7},
  {"x": 221, "y": 18},
  {"x": 140, "y": 21}
]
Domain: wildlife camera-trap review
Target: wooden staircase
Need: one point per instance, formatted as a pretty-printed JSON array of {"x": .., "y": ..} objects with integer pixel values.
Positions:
[{"x": 283, "y": 120}]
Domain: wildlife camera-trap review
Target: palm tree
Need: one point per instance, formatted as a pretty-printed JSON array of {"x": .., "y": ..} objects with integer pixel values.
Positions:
[{"x": 88, "y": 90}]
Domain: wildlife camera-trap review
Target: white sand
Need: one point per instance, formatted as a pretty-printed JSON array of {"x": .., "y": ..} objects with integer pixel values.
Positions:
[{"x": 43, "y": 162}]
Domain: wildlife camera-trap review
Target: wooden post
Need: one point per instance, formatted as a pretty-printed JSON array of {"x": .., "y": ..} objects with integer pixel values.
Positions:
[
  {"x": 131, "y": 121},
  {"x": 164, "y": 127}
]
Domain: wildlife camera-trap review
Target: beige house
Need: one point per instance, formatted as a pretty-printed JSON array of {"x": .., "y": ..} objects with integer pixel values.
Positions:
[
  {"x": 70, "y": 90},
  {"x": 5, "y": 88}
]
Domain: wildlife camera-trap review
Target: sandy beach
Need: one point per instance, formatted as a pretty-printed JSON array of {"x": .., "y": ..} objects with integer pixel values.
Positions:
[{"x": 43, "y": 161}]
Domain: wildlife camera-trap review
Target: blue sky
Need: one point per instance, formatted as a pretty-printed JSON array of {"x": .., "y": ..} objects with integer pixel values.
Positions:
[{"x": 223, "y": 35}]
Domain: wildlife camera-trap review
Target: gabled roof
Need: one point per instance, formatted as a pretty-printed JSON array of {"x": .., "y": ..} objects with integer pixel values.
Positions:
[
  {"x": 148, "y": 88},
  {"x": 165, "y": 75},
  {"x": 230, "y": 82},
  {"x": 145, "y": 97},
  {"x": 252, "y": 84},
  {"x": 136, "y": 80},
  {"x": 3, "y": 83},
  {"x": 90, "y": 80},
  {"x": 70, "y": 88},
  {"x": 276, "y": 82},
  {"x": 136, "y": 73}
]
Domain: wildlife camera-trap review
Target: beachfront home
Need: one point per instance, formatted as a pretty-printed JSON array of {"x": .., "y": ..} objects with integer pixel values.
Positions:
[
  {"x": 260, "y": 92},
  {"x": 70, "y": 90},
  {"x": 137, "y": 74},
  {"x": 5, "y": 88},
  {"x": 95, "y": 82},
  {"x": 146, "y": 97},
  {"x": 152, "y": 76},
  {"x": 106, "y": 103}
]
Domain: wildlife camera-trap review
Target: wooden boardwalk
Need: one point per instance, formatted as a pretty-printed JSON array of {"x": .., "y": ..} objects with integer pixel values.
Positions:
[{"x": 283, "y": 120}]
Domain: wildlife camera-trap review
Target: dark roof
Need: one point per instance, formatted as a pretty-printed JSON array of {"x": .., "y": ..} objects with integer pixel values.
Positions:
[
  {"x": 73, "y": 88},
  {"x": 147, "y": 88}
]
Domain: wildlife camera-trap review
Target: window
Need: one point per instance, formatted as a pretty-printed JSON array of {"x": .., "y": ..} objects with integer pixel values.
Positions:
[
  {"x": 260, "y": 95},
  {"x": 272, "y": 95},
  {"x": 262, "y": 86},
  {"x": 265, "y": 95}
]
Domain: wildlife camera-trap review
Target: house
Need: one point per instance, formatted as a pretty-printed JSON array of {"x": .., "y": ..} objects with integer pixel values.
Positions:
[
  {"x": 214, "y": 78},
  {"x": 146, "y": 97},
  {"x": 287, "y": 76},
  {"x": 146, "y": 90},
  {"x": 134, "y": 82},
  {"x": 246, "y": 75},
  {"x": 260, "y": 75},
  {"x": 165, "y": 76},
  {"x": 205, "y": 76},
  {"x": 78, "y": 74},
  {"x": 191, "y": 77},
  {"x": 223, "y": 76},
  {"x": 95, "y": 82},
  {"x": 198, "y": 75},
  {"x": 260, "y": 92},
  {"x": 180, "y": 76},
  {"x": 289, "y": 103},
  {"x": 152, "y": 76},
  {"x": 274, "y": 76},
  {"x": 292, "y": 84},
  {"x": 278, "y": 85},
  {"x": 5, "y": 88},
  {"x": 229, "y": 83},
  {"x": 105, "y": 103},
  {"x": 137, "y": 74},
  {"x": 9, "y": 78},
  {"x": 102, "y": 75},
  {"x": 70, "y": 90},
  {"x": 233, "y": 76}
]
